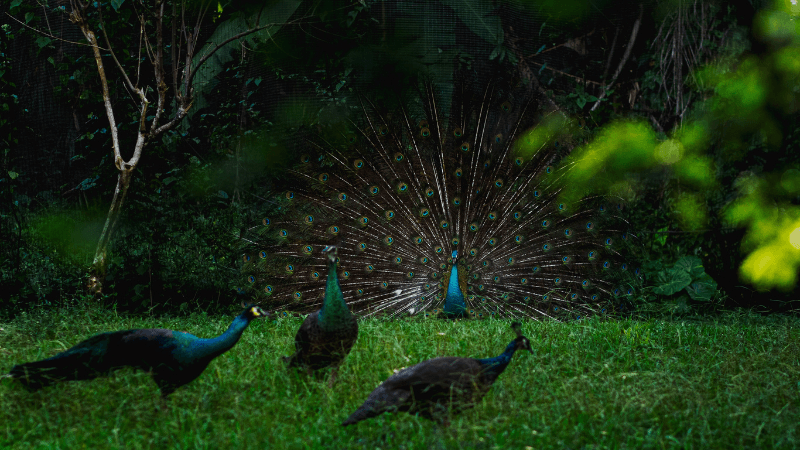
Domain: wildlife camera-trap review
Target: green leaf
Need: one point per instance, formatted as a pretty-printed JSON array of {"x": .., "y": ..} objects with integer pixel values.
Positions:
[
  {"x": 672, "y": 281},
  {"x": 42, "y": 41},
  {"x": 662, "y": 236},
  {"x": 28, "y": 17},
  {"x": 116, "y": 4},
  {"x": 703, "y": 289},
  {"x": 580, "y": 102},
  {"x": 14, "y": 4},
  {"x": 691, "y": 265}
]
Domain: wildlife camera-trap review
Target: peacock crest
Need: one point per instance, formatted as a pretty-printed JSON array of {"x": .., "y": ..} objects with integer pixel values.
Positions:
[{"x": 453, "y": 213}]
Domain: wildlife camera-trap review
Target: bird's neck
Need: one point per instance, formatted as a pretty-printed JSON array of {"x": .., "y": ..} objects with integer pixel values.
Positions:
[
  {"x": 334, "y": 310},
  {"x": 454, "y": 303},
  {"x": 493, "y": 367},
  {"x": 211, "y": 348}
]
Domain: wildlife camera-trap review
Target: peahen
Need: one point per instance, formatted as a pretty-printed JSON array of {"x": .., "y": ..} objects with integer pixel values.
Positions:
[
  {"x": 454, "y": 214},
  {"x": 174, "y": 358},
  {"x": 434, "y": 387},
  {"x": 326, "y": 336}
]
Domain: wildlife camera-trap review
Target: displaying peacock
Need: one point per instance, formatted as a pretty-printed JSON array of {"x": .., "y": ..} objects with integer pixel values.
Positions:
[
  {"x": 435, "y": 387},
  {"x": 326, "y": 336},
  {"x": 174, "y": 358},
  {"x": 455, "y": 213}
]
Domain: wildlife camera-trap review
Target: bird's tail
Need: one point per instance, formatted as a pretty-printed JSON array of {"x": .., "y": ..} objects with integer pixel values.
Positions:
[
  {"x": 34, "y": 376},
  {"x": 371, "y": 409}
]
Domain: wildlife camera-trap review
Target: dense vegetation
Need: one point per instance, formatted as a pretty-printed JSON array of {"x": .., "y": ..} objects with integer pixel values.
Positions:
[{"x": 201, "y": 183}]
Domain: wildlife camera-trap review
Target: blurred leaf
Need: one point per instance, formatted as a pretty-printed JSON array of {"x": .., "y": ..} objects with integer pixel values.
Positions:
[
  {"x": 672, "y": 281},
  {"x": 703, "y": 289}
]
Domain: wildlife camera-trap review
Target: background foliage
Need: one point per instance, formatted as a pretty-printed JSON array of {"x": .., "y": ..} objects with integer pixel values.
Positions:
[{"x": 688, "y": 108}]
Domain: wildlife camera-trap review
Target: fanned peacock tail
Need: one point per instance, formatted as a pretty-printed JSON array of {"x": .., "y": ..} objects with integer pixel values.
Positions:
[{"x": 456, "y": 213}]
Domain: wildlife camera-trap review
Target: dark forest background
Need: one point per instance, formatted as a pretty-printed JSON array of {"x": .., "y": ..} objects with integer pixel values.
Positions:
[{"x": 719, "y": 70}]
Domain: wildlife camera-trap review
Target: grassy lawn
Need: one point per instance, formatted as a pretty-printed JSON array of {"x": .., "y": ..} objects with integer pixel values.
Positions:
[{"x": 730, "y": 382}]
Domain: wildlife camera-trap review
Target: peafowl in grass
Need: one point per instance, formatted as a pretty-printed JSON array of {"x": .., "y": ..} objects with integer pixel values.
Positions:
[
  {"x": 447, "y": 208},
  {"x": 326, "y": 336},
  {"x": 174, "y": 358},
  {"x": 434, "y": 387}
]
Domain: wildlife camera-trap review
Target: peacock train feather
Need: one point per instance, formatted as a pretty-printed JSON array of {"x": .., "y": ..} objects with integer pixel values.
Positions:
[
  {"x": 174, "y": 358},
  {"x": 438, "y": 386},
  {"x": 457, "y": 214}
]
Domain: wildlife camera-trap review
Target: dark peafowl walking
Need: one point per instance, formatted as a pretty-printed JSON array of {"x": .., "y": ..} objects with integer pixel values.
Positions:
[
  {"x": 174, "y": 358},
  {"x": 326, "y": 336},
  {"x": 453, "y": 213},
  {"x": 434, "y": 387}
]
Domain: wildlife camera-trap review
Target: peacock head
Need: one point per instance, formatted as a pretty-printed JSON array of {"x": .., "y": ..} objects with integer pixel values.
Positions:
[
  {"x": 330, "y": 251},
  {"x": 253, "y": 311},
  {"x": 522, "y": 342}
]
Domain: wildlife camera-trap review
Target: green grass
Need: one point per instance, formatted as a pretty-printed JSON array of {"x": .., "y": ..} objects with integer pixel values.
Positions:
[{"x": 731, "y": 382}]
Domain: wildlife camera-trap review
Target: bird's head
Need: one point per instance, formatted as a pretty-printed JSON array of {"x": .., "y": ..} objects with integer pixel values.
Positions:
[
  {"x": 330, "y": 251},
  {"x": 253, "y": 311},
  {"x": 522, "y": 342}
]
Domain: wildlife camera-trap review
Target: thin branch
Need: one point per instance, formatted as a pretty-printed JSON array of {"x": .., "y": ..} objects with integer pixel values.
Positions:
[
  {"x": 172, "y": 56},
  {"x": 78, "y": 19},
  {"x": 581, "y": 79},
  {"x": 625, "y": 57},
  {"x": 114, "y": 56},
  {"x": 50, "y": 35},
  {"x": 158, "y": 64},
  {"x": 46, "y": 19},
  {"x": 610, "y": 54},
  {"x": 147, "y": 46},
  {"x": 139, "y": 52}
]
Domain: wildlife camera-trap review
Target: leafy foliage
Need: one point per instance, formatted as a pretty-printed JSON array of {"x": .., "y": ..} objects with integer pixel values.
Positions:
[{"x": 705, "y": 179}]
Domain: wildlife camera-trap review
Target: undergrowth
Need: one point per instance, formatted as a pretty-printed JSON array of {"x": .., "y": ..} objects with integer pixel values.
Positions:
[{"x": 729, "y": 382}]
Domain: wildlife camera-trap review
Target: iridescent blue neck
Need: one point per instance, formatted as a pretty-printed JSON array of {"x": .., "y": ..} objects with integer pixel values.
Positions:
[
  {"x": 493, "y": 367},
  {"x": 211, "y": 348},
  {"x": 334, "y": 310},
  {"x": 454, "y": 304}
]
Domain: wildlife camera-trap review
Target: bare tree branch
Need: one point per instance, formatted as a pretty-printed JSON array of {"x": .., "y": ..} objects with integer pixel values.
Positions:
[
  {"x": 624, "y": 60},
  {"x": 114, "y": 57},
  {"x": 56, "y": 38}
]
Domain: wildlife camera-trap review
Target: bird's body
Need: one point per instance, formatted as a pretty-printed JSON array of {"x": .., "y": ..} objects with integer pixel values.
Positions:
[
  {"x": 443, "y": 212},
  {"x": 437, "y": 386},
  {"x": 326, "y": 336},
  {"x": 174, "y": 358}
]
